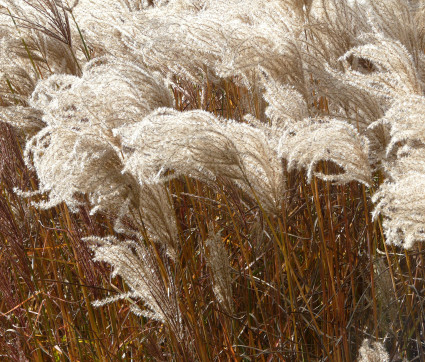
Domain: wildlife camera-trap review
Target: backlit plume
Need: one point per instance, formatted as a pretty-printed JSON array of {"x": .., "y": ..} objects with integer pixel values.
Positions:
[{"x": 264, "y": 119}]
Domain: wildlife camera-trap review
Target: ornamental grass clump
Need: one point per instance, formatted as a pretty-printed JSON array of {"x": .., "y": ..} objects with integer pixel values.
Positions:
[{"x": 200, "y": 180}]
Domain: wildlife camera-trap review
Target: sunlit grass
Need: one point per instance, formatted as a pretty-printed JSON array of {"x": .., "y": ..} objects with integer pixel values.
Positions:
[{"x": 308, "y": 280}]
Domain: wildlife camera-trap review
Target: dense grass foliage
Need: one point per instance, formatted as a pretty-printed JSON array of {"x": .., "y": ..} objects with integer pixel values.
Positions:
[{"x": 211, "y": 180}]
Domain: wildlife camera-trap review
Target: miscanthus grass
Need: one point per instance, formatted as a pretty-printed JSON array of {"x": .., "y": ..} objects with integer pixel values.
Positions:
[{"x": 207, "y": 180}]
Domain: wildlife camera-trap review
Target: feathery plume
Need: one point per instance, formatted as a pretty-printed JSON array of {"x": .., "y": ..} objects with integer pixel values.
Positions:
[
  {"x": 26, "y": 119},
  {"x": 137, "y": 265},
  {"x": 69, "y": 164},
  {"x": 398, "y": 199},
  {"x": 76, "y": 152},
  {"x": 43, "y": 35},
  {"x": 218, "y": 262},
  {"x": 311, "y": 141},
  {"x": 168, "y": 143},
  {"x": 373, "y": 352},
  {"x": 394, "y": 76}
]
